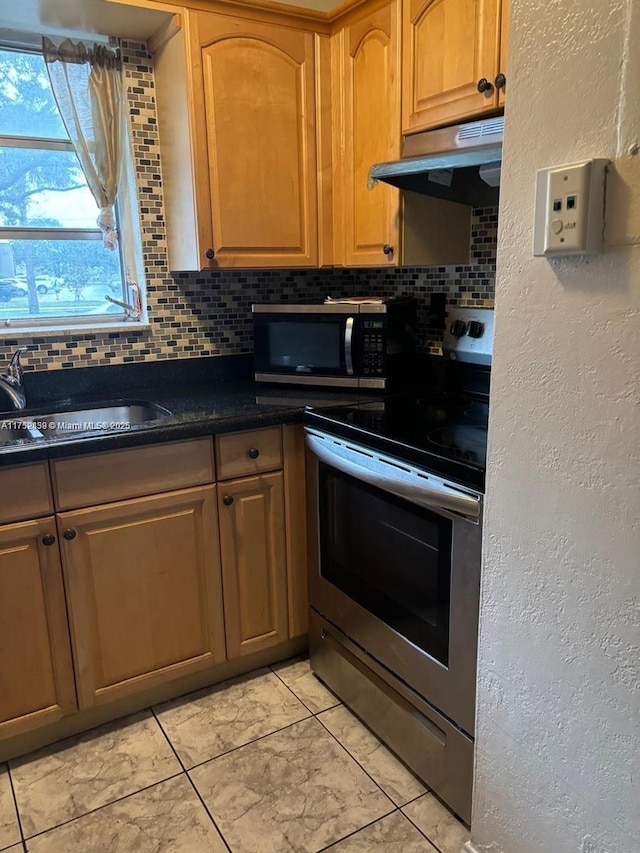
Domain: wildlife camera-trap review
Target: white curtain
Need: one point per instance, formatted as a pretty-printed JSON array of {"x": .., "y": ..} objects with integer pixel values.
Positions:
[{"x": 88, "y": 88}]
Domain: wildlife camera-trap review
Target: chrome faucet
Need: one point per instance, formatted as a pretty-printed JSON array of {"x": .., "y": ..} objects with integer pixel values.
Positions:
[{"x": 11, "y": 381}]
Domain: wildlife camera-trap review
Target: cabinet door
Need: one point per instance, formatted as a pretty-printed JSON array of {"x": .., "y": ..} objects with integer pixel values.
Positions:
[
  {"x": 144, "y": 592},
  {"x": 36, "y": 678},
  {"x": 449, "y": 45},
  {"x": 254, "y": 568},
  {"x": 369, "y": 73},
  {"x": 258, "y": 108},
  {"x": 504, "y": 45}
]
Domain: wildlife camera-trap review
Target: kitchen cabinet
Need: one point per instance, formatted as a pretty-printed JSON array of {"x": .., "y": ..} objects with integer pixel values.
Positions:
[
  {"x": 501, "y": 78},
  {"x": 36, "y": 676},
  {"x": 262, "y": 509},
  {"x": 144, "y": 591},
  {"x": 251, "y": 138},
  {"x": 366, "y": 110},
  {"x": 254, "y": 566},
  {"x": 117, "y": 589},
  {"x": 451, "y": 52}
]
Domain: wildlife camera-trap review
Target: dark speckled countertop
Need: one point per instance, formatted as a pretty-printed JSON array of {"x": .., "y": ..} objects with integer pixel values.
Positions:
[{"x": 204, "y": 396}]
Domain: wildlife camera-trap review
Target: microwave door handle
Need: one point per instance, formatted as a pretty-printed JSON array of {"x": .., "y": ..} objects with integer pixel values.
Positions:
[{"x": 348, "y": 345}]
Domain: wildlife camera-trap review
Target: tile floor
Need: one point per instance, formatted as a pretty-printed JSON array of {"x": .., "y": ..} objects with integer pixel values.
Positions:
[{"x": 267, "y": 763}]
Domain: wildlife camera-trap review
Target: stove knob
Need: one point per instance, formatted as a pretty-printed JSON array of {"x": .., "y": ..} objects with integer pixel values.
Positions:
[
  {"x": 475, "y": 329},
  {"x": 458, "y": 328}
]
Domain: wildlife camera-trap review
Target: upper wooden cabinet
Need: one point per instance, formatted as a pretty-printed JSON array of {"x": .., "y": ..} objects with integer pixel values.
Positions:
[
  {"x": 449, "y": 47},
  {"x": 36, "y": 678},
  {"x": 501, "y": 79},
  {"x": 366, "y": 110},
  {"x": 250, "y": 135}
]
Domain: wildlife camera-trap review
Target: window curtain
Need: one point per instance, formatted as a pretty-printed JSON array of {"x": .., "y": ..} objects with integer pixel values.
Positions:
[{"x": 88, "y": 88}]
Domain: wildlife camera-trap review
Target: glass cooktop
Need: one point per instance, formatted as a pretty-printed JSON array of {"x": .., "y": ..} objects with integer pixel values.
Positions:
[{"x": 445, "y": 434}]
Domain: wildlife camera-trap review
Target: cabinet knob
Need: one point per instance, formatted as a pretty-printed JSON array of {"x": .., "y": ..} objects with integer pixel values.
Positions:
[
  {"x": 387, "y": 249},
  {"x": 500, "y": 81},
  {"x": 227, "y": 500},
  {"x": 48, "y": 539},
  {"x": 210, "y": 254},
  {"x": 69, "y": 534},
  {"x": 254, "y": 453},
  {"x": 484, "y": 86}
]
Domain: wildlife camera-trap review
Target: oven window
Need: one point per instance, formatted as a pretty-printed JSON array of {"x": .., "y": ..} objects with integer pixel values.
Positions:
[
  {"x": 306, "y": 345},
  {"x": 390, "y": 556}
]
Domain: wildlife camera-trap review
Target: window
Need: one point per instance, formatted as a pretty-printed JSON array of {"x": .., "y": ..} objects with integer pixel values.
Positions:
[{"x": 54, "y": 270}]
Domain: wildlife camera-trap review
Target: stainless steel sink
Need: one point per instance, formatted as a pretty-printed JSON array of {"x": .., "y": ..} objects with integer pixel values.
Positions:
[
  {"x": 17, "y": 430},
  {"x": 117, "y": 417}
]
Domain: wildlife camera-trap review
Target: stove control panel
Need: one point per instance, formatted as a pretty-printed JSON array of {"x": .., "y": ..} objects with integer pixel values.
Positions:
[{"x": 468, "y": 335}]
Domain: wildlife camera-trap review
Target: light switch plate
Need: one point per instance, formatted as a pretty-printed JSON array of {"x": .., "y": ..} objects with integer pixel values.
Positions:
[{"x": 569, "y": 212}]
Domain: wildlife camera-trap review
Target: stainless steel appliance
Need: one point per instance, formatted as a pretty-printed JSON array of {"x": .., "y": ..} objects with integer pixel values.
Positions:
[
  {"x": 344, "y": 345},
  {"x": 395, "y": 491},
  {"x": 459, "y": 163}
]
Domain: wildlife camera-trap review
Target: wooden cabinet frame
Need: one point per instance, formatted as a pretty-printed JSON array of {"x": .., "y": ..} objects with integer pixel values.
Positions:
[{"x": 33, "y": 594}]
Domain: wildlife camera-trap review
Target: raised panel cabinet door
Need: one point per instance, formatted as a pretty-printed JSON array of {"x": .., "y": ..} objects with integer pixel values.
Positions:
[
  {"x": 259, "y": 121},
  {"x": 504, "y": 49},
  {"x": 254, "y": 568},
  {"x": 449, "y": 46},
  {"x": 370, "y": 74},
  {"x": 36, "y": 676},
  {"x": 144, "y": 592}
]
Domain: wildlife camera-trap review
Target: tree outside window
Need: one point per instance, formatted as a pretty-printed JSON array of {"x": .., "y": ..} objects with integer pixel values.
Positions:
[{"x": 52, "y": 262}]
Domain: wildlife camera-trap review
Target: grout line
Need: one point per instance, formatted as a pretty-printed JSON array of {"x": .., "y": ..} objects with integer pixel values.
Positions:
[
  {"x": 255, "y": 740},
  {"x": 424, "y": 834},
  {"x": 100, "y": 808},
  {"x": 302, "y": 702},
  {"x": 206, "y": 808},
  {"x": 166, "y": 737},
  {"x": 191, "y": 782},
  {"x": 15, "y": 803},
  {"x": 359, "y": 763},
  {"x": 356, "y": 831},
  {"x": 366, "y": 772}
]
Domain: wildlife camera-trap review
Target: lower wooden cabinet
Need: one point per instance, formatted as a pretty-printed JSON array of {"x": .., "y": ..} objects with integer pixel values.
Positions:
[
  {"x": 36, "y": 677},
  {"x": 144, "y": 592},
  {"x": 254, "y": 562}
]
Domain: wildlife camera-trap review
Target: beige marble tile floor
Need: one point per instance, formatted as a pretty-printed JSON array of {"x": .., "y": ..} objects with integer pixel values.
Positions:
[{"x": 270, "y": 762}]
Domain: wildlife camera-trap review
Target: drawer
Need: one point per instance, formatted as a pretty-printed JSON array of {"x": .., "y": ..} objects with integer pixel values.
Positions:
[
  {"x": 25, "y": 491},
  {"x": 137, "y": 471},
  {"x": 240, "y": 454}
]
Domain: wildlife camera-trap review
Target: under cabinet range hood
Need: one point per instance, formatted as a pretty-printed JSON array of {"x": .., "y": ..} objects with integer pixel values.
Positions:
[{"x": 459, "y": 163}]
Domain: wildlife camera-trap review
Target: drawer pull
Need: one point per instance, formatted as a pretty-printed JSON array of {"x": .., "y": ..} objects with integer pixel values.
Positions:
[
  {"x": 254, "y": 453},
  {"x": 227, "y": 500},
  {"x": 69, "y": 534},
  {"x": 48, "y": 539}
]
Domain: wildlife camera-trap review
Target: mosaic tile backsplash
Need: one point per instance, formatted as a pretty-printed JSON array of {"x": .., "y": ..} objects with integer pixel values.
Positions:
[{"x": 196, "y": 314}]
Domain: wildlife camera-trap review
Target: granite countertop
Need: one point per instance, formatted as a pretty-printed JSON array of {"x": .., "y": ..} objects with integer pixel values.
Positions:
[{"x": 222, "y": 401}]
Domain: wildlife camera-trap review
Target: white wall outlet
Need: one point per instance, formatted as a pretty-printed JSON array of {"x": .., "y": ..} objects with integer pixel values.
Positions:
[{"x": 569, "y": 213}]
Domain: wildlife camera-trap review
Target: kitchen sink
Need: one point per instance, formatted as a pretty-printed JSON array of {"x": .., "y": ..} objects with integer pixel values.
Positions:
[
  {"x": 112, "y": 418},
  {"x": 17, "y": 430}
]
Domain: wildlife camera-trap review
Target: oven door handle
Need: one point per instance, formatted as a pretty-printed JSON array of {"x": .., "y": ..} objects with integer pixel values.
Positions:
[
  {"x": 390, "y": 476},
  {"x": 348, "y": 345}
]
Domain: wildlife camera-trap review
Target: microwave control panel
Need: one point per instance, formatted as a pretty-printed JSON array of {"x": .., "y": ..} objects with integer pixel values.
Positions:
[{"x": 373, "y": 348}]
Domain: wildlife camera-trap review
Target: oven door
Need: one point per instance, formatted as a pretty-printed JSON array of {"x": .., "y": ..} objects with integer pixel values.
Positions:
[
  {"x": 395, "y": 564},
  {"x": 306, "y": 344}
]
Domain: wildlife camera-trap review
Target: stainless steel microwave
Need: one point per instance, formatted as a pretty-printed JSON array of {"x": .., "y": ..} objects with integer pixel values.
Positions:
[{"x": 366, "y": 345}]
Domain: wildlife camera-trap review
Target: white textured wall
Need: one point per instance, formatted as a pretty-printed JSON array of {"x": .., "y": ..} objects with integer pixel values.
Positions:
[{"x": 558, "y": 738}]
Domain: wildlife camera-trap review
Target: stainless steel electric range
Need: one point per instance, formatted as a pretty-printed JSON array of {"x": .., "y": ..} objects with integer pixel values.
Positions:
[{"x": 395, "y": 491}]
